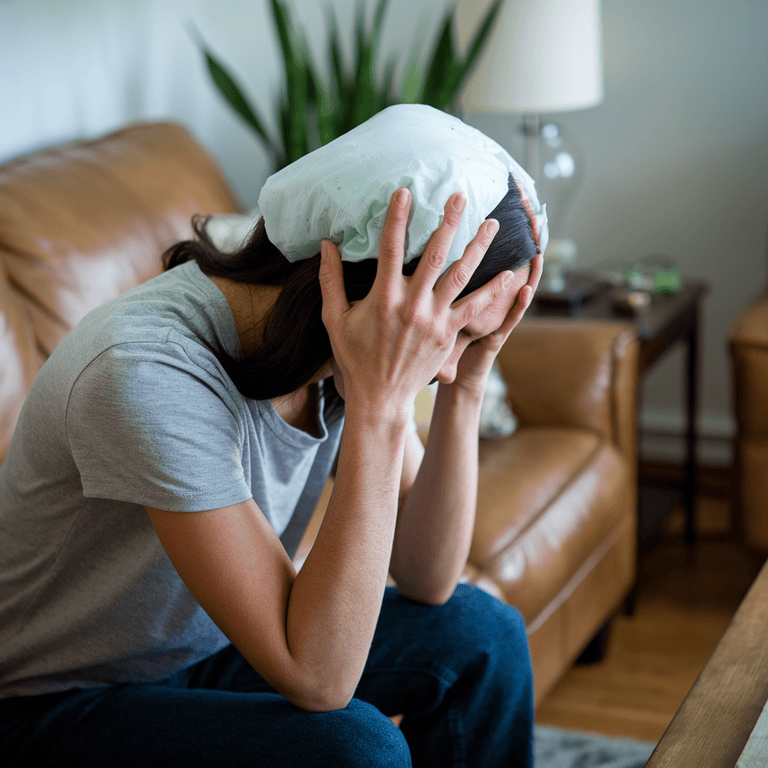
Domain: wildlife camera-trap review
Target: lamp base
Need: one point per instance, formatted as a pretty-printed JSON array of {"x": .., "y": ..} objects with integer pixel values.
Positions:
[{"x": 559, "y": 260}]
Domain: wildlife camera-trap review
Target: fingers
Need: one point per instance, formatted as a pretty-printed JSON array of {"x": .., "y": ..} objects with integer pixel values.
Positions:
[
  {"x": 516, "y": 312},
  {"x": 536, "y": 270},
  {"x": 389, "y": 270},
  {"x": 331, "y": 279},
  {"x": 439, "y": 245},
  {"x": 457, "y": 276},
  {"x": 524, "y": 298},
  {"x": 467, "y": 309}
]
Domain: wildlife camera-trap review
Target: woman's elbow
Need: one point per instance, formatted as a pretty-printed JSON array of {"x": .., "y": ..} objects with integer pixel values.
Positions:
[
  {"x": 434, "y": 596},
  {"x": 321, "y": 700}
]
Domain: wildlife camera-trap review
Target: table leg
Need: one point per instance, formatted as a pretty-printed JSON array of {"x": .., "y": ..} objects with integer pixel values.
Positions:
[{"x": 692, "y": 395}]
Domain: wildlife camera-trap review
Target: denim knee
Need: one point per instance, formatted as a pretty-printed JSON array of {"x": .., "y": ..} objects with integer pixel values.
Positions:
[
  {"x": 361, "y": 735},
  {"x": 474, "y": 612}
]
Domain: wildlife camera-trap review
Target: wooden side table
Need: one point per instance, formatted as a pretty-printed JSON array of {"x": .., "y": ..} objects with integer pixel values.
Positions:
[{"x": 668, "y": 320}]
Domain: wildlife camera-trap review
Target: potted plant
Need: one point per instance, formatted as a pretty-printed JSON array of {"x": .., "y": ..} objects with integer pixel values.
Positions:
[{"x": 314, "y": 109}]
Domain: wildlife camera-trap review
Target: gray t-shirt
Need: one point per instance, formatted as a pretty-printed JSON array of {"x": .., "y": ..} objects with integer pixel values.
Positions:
[{"x": 133, "y": 409}]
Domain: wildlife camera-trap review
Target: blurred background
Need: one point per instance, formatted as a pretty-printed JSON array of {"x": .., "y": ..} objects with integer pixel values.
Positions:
[{"x": 675, "y": 157}]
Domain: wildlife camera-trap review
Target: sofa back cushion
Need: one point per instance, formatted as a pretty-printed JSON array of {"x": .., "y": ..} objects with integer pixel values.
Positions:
[{"x": 83, "y": 223}]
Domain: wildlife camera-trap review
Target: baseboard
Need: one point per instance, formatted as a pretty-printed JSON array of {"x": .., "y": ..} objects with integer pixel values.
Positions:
[{"x": 662, "y": 438}]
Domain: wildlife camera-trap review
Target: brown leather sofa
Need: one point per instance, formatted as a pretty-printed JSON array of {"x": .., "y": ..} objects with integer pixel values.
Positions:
[
  {"x": 749, "y": 357},
  {"x": 556, "y": 524}
]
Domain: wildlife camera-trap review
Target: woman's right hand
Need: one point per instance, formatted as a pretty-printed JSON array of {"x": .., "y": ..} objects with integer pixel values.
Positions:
[{"x": 392, "y": 343}]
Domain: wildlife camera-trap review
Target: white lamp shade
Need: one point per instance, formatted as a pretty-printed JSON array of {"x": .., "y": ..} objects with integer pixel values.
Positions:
[{"x": 542, "y": 56}]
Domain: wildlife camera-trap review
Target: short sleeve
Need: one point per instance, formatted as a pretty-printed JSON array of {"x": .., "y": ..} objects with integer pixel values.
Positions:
[{"x": 148, "y": 424}]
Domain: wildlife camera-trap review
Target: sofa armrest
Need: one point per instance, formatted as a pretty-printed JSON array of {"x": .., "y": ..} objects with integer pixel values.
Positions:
[
  {"x": 579, "y": 373},
  {"x": 749, "y": 355},
  {"x": 751, "y": 324},
  {"x": 749, "y": 358}
]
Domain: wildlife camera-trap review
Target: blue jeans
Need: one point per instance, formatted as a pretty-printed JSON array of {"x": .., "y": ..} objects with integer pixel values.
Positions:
[{"x": 459, "y": 673}]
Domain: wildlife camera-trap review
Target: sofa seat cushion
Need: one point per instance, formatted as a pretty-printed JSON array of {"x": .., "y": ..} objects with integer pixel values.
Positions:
[{"x": 549, "y": 497}]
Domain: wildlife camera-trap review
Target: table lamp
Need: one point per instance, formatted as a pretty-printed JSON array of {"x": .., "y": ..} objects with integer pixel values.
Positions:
[{"x": 542, "y": 56}]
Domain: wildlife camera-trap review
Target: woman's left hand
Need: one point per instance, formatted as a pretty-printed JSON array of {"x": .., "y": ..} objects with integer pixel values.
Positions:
[{"x": 476, "y": 361}]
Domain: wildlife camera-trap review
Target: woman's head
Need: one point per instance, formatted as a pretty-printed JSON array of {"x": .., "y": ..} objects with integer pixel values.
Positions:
[
  {"x": 295, "y": 345},
  {"x": 341, "y": 192}
]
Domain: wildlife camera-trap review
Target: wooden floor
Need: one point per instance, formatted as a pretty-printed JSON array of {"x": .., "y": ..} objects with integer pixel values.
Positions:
[{"x": 685, "y": 600}]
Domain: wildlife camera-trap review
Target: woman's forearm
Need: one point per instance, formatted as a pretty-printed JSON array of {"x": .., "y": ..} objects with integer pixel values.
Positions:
[
  {"x": 336, "y": 597},
  {"x": 436, "y": 520}
]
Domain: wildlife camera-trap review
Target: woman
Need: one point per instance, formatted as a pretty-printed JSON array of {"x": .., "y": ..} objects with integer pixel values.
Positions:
[{"x": 174, "y": 445}]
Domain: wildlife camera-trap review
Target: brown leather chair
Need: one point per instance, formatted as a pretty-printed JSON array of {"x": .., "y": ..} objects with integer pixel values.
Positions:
[
  {"x": 749, "y": 358},
  {"x": 556, "y": 522}
]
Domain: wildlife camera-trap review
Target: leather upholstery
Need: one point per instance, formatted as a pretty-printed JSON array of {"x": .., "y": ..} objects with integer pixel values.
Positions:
[
  {"x": 749, "y": 357},
  {"x": 564, "y": 503},
  {"x": 81, "y": 224},
  {"x": 556, "y": 527}
]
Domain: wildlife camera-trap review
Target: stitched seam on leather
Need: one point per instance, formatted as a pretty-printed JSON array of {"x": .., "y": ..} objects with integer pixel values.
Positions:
[
  {"x": 614, "y": 406},
  {"x": 578, "y": 577},
  {"x": 602, "y": 441}
]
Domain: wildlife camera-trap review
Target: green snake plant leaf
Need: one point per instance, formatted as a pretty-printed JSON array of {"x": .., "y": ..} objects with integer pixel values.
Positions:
[
  {"x": 322, "y": 101},
  {"x": 413, "y": 74},
  {"x": 448, "y": 71},
  {"x": 341, "y": 81},
  {"x": 412, "y": 82},
  {"x": 387, "y": 90},
  {"x": 235, "y": 97},
  {"x": 364, "y": 97},
  {"x": 378, "y": 19},
  {"x": 440, "y": 67},
  {"x": 382, "y": 92},
  {"x": 294, "y": 106},
  {"x": 313, "y": 109}
]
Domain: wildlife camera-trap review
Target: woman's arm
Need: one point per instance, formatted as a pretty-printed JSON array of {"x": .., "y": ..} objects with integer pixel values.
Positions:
[
  {"x": 437, "y": 513},
  {"x": 438, "y": 495},
  {"x": 309, "y": 634}
]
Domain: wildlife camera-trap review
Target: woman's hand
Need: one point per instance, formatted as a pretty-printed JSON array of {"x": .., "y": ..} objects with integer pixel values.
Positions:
[
  {"x": 392, "y": 343},
  {"x": 474, "y": 363}
]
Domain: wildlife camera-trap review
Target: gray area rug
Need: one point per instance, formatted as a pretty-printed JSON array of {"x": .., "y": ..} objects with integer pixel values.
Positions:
[{"x": 557, "y": 748}]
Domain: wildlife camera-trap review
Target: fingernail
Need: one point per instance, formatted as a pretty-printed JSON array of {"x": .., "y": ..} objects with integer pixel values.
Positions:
[
  {"x": 458, "y": 202},
  {"x": 402, "y": 196},
  {"x": 529, "y": 298}
]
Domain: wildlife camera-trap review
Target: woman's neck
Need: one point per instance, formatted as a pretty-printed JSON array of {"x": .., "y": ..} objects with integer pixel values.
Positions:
[
  {"x": 299, "y": 409},
  {"x": 250, "y": 305}
]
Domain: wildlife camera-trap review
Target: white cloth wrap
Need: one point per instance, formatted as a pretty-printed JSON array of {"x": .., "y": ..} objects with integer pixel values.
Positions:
[{"x": 341, "y": 191}]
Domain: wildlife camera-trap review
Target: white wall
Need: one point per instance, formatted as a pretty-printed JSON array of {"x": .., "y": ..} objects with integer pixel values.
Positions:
[
  {"x": 78, "y": 68},
  {"x": 676, "y": 156},
  {"x": 677, "y": 163}
]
